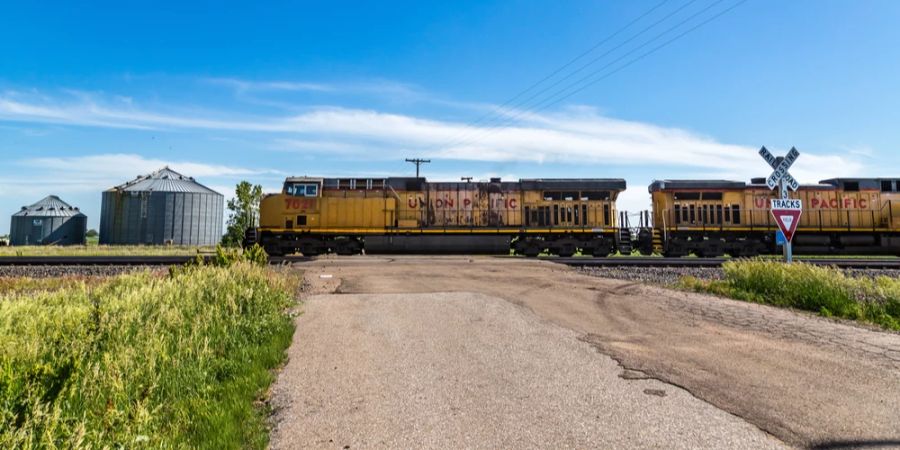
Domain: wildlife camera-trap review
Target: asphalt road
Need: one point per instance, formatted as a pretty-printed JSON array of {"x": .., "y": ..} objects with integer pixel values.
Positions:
[
  {"x": 463, "y": 370},
  {"x": 460, "y": 352}
]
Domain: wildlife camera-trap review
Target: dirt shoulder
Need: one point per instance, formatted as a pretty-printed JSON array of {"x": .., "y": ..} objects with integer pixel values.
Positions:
[{"x": 807, "y": 380}]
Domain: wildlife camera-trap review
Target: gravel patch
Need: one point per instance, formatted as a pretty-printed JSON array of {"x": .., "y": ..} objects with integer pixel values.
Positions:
[
  {"x": 667, "y": 276},
  {"x": 654, "y": 275},
  {"x": 64, "y": 271}
]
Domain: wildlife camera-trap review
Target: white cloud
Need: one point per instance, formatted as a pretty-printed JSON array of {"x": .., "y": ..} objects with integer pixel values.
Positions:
[
  {"x": 576, "y": 135},
  {"x": 247, "y": 85},
  {"x": 111, "y": 164},
  {"x": 382, "y": 88},
  {"x": 95, "y": 173}
]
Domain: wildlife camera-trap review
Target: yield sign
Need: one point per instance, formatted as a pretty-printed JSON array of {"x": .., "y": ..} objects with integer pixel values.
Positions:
[{"x": 787, "y": 215}]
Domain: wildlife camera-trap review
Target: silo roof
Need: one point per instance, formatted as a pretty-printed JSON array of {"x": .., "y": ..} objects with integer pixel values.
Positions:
[
  {"x": 164, "y": 180},
  {"x": 49, "y": 206}
]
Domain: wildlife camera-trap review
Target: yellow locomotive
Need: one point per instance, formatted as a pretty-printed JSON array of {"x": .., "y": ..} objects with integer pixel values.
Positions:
[
  {"x": 411, "y": 215},
  {"x": 711, "y": 218}
]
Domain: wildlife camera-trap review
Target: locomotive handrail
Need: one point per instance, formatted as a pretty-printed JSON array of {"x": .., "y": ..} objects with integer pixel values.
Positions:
[
  {"x": 665, "y": 235},
  {"x": 889, "y": 219}
]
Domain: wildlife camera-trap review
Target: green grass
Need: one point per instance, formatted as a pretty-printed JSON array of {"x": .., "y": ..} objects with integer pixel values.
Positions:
[
  {"x": 143, "y": 360},
  {"x": 824, "y": 290},
  {"x": 103, "y": 250}
]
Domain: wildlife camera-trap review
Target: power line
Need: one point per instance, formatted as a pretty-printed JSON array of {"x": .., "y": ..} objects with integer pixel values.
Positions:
[
  {"x": 610, "y": 51},
  {"x": 553, "y": 101},
  {"x": 642, "y": 56},
  {"x": 540, "y": 104},
  {"x": 561, "y": 68}
]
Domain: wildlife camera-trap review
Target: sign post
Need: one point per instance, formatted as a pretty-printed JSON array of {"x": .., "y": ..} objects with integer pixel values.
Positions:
[{"x": 785, "y": 210}]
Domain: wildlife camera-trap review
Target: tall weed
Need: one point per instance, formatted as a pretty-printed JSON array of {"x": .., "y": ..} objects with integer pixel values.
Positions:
[
  {"x": 143, "y": 361},
  {"x": 825, "y": 290}
]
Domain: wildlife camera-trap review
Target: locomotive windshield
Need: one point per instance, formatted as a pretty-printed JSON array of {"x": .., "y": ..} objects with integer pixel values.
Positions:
[{"x": 302, "y": 189}]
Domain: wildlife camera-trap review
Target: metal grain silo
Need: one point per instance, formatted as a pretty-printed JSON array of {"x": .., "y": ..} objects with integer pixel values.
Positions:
[
  {"x": 164, "y": 207},
  {"x": 50, "y": 221}
]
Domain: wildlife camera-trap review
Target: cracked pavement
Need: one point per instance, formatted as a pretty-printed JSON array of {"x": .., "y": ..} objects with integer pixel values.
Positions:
[{"x": 723, "y": 373}]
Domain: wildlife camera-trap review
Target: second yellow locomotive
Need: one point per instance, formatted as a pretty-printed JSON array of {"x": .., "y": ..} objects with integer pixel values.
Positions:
[{"x": 712, "y": 218}]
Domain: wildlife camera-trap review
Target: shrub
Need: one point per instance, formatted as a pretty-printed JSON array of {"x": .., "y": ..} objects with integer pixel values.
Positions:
[
  {"x": 143, "y": 360},
  {"x": 227, "y": 256},
  {"x": 824, "y": 290}
]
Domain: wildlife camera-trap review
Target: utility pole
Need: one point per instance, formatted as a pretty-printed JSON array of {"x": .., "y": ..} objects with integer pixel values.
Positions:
[
  {"x": 418, "y": 162},
  {"x": 466, "y": 179}
]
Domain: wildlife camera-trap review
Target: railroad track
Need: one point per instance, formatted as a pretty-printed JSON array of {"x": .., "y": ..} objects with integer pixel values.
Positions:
[
  {"x": 643, "y": 261},
  {"x": 118, "y": 260},
  {"x": 650, "y": 261}
]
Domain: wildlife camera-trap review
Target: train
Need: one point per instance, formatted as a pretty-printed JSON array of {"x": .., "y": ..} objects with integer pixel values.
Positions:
[{"x": 565, "y": 217}]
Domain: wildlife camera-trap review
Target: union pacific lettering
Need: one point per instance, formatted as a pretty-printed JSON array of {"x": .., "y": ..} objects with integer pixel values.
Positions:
[
  {"x": 823, "y": 203},
  {"x": 834, "y": 203},
  {"x": 465, "y": 203}
]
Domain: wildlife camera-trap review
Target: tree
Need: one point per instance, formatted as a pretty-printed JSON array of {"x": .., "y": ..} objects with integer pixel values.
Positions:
[
  {"x": 91, "y": 233},
  {"x": 244, "y": 209}
]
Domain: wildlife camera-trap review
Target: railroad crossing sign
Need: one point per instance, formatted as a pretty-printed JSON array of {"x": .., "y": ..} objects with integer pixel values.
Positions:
[
  {"x": 787, "y": 215},
  {"x": 780, "y": 172},
  {"x": 785, "y": 210}
]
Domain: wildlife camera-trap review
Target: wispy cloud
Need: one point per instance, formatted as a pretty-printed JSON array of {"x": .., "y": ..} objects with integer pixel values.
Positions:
[
  {"x": 380, "y": 88},
  {"x": 247, "y": 85},
  {"x": 572, "y": 136},
  {"x": 94, "y": 173},
  {"x": 111, "y": 164}
]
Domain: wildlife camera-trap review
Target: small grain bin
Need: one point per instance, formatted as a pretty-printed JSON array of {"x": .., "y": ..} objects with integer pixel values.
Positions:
[
  {"x": 50, "y": 221},
  {"x": 164, "y": 207}
]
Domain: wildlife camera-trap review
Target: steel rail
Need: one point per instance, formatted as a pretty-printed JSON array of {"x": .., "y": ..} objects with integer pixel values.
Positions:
[
  {"x": 650, "y": 261},
  {"x": 164, "y": 260},
  {"x": 644, "y": 261}
]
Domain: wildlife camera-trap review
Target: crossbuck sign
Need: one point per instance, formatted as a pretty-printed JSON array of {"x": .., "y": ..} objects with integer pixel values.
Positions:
[
  {"x": 785, "y": 210},
  {"x": 781, "y": 170}
]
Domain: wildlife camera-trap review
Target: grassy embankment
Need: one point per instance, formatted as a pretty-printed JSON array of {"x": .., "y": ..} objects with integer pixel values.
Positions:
[
  {"x": 142, "y": 361},
  {"x": 824, "y": 290}
]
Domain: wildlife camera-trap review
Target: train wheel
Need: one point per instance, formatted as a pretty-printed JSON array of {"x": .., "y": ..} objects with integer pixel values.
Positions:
[
  {"x": 347, "y": 247},
  {"x": 311, "y": 247},
  {"x": 529, "y": 247},
  {"x": 564, "y": 247},
  {"x": 676, "y": 248},
  {"x": 273, "y": 250},
  {"x": 598, "y": 248}
]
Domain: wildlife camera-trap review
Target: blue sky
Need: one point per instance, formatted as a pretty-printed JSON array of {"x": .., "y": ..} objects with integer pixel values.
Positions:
[{"x": 93, "y": 96}]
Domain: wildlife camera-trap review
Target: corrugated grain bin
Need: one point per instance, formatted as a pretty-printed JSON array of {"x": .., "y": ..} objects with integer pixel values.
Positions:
[
  {"x": 164, "y": 207},
  {"x": 50, "y": 221}
]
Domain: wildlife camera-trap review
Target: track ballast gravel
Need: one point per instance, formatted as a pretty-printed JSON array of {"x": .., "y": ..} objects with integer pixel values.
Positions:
[
  {"x": 64, "y": 271},
  {"x": 671, "y": 275}
]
